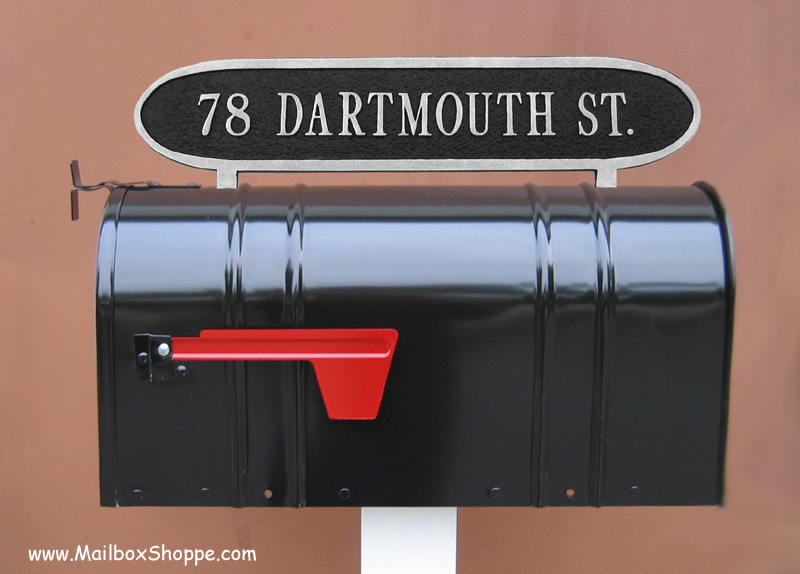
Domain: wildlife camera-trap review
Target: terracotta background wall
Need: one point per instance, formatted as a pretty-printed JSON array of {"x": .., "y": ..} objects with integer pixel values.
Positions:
[{"x": 70, "y": 75}]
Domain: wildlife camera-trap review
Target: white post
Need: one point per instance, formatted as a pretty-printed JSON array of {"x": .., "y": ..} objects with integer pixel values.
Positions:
[{"x": 408, "y": 540}]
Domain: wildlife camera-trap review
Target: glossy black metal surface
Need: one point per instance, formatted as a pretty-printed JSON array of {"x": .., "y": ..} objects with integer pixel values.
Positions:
[{"x": 557, "y": 346}]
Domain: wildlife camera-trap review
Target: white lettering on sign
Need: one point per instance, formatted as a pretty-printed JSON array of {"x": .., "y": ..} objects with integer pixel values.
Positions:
[
  {"x": 592, "y": 118},
  {"x": 214, "y": 98},
  {"x": 614, "y": 98},
  {"x": 414, "y": 122},
  {"x": 459, "y": 113},
  {"x": 348, "y": 115},
  {"x": 408, "y": 113},
  {"x": 379, "y": 98},
  {"x": 546, "y": 113},
  {"x": 318, "y": 113},
  {"x": 235, "y": 113},
  {"x": 298, "y": 113},
  {"x": 509, "y": 110},
  {"x": 238, "y": 113},
  {"x": 472, "y": 114}
]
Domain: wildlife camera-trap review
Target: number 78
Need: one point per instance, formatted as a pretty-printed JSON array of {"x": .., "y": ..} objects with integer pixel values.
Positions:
[{"x": 235, "y": 112}]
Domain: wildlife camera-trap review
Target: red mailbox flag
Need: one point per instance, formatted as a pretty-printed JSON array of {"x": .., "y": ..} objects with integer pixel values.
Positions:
[{"x": 351, "y": 364}]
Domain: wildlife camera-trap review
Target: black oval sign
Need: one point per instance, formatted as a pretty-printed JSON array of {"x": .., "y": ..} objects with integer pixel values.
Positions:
[{"x": 598, "y": 114}]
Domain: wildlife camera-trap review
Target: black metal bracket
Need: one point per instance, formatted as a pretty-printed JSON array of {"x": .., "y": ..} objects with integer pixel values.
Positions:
[
  {"x": 110, "y": 185},
  {"x": 154, "y": 359}
]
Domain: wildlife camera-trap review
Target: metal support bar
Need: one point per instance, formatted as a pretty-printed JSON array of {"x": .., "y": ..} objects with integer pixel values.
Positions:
[{"x": 606, "y": 177}]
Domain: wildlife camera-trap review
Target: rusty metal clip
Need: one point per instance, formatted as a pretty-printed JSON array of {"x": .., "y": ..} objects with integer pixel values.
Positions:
[{"x": 110, "y": 185}]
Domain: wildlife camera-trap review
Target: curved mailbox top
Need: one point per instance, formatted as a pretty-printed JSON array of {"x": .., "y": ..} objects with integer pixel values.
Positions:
[{"x": 399, "y": 114}]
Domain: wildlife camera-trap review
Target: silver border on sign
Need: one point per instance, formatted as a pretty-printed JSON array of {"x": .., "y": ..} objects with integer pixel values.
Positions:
[{"x": 605, "y": 169}]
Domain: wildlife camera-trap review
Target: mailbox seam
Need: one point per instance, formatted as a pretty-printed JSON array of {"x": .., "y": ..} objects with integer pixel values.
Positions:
[
  {"x": 538, "y": 465},
  {"x": 603, "y": 313},
  {"x": 235, "y": 372},
  {"x": 295, "y": 219}
]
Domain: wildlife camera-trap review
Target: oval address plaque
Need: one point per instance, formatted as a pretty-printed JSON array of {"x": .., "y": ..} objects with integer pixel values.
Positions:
[{"x": 398, "y": 114}]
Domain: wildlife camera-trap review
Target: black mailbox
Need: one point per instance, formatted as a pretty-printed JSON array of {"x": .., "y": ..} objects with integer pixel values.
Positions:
[{"x": 460, "y": 346}]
